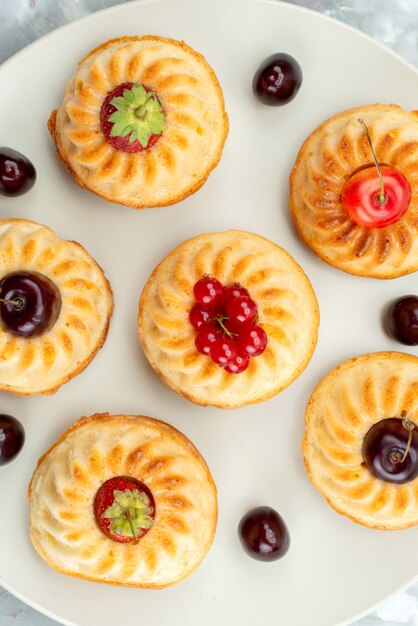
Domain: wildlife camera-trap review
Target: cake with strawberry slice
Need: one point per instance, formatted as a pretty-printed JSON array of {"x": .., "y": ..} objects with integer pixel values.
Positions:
[
  {"x": 125, "y": 500},
  {"x": 143, "y": 121}
]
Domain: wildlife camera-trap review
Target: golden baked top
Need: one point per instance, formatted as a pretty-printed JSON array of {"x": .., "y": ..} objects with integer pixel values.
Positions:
[
  {"x": 186, "y": 152},
  {"x": 63, "y": 488},
  {"x": 287, "y": 311},
  {"x": 344, "y": 406},
  {"x": 41, "y": 364},
  {"x": 327, "y": 159}
]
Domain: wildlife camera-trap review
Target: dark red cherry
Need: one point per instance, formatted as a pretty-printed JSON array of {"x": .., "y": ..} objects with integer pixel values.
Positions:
[
  {"x": 277, "y": 80},
  {"x": 384, "y": 447},
  {"x": 12, "y": 438},
  {"x": 30, "y": 304},
  {"x": 264, "y": 534},
  {"x": 17, "y": 174},
  {"x": 402, "y": 320}
]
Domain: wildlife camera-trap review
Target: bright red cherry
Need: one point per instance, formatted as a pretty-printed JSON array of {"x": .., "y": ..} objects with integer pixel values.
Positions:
[
  {"x": 223, "y": 351},
  {"x": 263, "y": 534},
  {"x": 199, "y": 316},
  {"x": 242, "y": 311},
  {"x": 376, "y": 196},
  {"x": 208, "y": 291},
  {"x": 361, "y": 197},
  {"x": 252, "y": 340},
  {"x": 231, "y": 292},
  {"x": 238, "y": 365},
  {"x": 206, "y": 337}
]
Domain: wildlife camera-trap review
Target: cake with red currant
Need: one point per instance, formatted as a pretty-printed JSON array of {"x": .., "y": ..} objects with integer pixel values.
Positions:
[
  {"x": 228, "y": 319},
  {"x": 55, "y": 308},
  {"x": 142, "y": 123},
  {"x": 124, "y": 500},
  {"x": 361, "y": 439},
  {"x": 354, "y": 191}
]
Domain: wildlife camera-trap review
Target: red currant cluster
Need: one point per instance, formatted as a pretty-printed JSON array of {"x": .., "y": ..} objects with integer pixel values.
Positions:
[{"x": 225, "y": 320}]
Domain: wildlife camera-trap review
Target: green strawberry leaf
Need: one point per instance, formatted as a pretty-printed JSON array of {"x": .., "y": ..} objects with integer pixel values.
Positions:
[
  {"x": 127, "y": 130},
  {"x": 117, "y": 116},
  {"x": 130, "y": 513},
  {"x": 113, "y": 511},
  {"x": 118, "y": 102},
  {"x": 129, "y": 96},
  {"x": 118, "y": 129},
  {"x": 139, "y": 114},
  {"x": 139, "y": 92},
  {"x": 143, "y": 136}
]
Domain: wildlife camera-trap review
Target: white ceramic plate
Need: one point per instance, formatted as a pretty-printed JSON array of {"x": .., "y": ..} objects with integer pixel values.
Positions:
[{"x": 335, "y": 569}]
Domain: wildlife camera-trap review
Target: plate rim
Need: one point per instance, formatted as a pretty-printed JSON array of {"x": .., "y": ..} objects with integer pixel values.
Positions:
[
  {"x": 287, "y": 5},
  {"x": 129, "y": 5}
]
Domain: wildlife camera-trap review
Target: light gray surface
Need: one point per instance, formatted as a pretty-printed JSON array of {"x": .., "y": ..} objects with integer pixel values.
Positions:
[{"x": 391, "y": 22}]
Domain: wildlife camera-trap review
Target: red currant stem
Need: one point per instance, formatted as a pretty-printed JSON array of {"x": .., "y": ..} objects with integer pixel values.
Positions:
[
  {"x": 409, "y": 426},
  {"x": 382, "y": 197},
  {"x": 18, "y": 303},
  {"x": 129, "y": 518},
  {"x": 220, "y": 319}
]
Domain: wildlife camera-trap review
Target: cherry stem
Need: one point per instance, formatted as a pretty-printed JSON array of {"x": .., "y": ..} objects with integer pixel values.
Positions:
[
  {"x": 129, "y": 518},
  {"x": 382, "y": 197},
  {"x": 396, "y": 456},
  {"x": 18, "y": 303},
  {"x": 409, "y": 426}
]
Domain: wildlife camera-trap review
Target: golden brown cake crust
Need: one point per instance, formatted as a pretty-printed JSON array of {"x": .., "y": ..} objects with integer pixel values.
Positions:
[
  {"x": 41, "y": 365},
  {"x": 189, "y": 149},
  {"x": 287, "y": 310},
  {"x": 69, "y": 474},
  {"x": 327, "y": 158},
  {"x": 343, "y": 407}
]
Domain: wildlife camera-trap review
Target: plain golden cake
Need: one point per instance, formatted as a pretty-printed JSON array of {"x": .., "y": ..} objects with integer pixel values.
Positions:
[
  {"x": 55, "y": 308},
  {"x": 361, "y": 439},
  {"x": 125, "y": 500},
  {"x": 332, "y": 154},
  {"x": 142, "y": 123},
  {"x": 286, "y": 316}
]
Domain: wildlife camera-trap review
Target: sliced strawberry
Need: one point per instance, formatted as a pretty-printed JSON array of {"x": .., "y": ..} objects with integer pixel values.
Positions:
[
  {"x": 132, "y": 118},
  {"x": 124, "y": 509}
]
